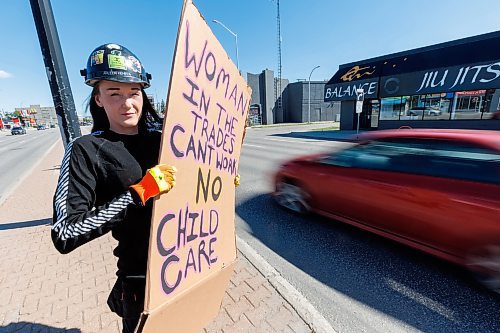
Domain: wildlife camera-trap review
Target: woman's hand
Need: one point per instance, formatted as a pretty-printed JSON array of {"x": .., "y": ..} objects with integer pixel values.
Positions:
[{"x": 158, "y": 180}]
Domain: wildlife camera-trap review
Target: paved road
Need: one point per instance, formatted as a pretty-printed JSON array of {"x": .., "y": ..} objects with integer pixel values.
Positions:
[
  {"x": 358, "y": 281},
  {"x": 18, "y": 153}
]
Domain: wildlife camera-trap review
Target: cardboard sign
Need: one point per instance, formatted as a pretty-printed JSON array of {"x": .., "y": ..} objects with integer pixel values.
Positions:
[{"x": 192, "y": 248}]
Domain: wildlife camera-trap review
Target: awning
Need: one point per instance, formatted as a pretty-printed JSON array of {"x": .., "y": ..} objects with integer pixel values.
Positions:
[{"x": 467, "y": 64}]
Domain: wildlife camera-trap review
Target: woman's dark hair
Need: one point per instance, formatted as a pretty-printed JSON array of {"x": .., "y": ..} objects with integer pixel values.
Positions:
[{"x": 149, "y": 118}]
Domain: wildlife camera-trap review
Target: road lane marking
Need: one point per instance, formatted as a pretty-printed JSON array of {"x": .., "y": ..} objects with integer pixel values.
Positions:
[
  {"x": 429, "y": 303},
  {"x": 251, "y": 145},
  {"x": 299, "y": 140},
  {"x": 294, "y": 140}
]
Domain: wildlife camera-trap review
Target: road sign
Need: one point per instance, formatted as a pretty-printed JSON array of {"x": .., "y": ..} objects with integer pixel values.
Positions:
[
  {"x": 360, "y": 96},
  {"x": 359, "y": 106}
]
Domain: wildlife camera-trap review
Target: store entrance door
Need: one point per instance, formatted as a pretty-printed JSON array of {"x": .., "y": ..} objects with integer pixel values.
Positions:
[
  {"x": 375, "y": 110},
  {"x": 368, "y": 119}
]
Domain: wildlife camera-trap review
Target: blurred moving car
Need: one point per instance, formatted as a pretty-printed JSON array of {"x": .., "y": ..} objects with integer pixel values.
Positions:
[
  {"x": 17, "y": 130},
  {"x": 434, "y": 190},
  {"x": 41, "y": 127},
  {"x": 419, "y": 110}
]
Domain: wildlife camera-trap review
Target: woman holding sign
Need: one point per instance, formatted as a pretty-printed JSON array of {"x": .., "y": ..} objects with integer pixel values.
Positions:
[{"x": 108, "y": 176}]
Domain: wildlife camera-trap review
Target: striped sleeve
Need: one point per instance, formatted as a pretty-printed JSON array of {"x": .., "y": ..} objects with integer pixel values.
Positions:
[{"x": 76, "y": 219}]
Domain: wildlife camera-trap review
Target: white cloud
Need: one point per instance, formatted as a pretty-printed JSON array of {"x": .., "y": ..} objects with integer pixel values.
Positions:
[{"x": 4, "y": 74}]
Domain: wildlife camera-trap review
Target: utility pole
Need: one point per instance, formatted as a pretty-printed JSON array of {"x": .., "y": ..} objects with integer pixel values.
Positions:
[
  {"x": 309, "y": 99},
  {"x": 360, "y": 97},
  {"x": 55, "y": 69}
]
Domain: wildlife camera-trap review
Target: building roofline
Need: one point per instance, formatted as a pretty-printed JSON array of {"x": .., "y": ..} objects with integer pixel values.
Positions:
[{"x": 489, "y": 35}]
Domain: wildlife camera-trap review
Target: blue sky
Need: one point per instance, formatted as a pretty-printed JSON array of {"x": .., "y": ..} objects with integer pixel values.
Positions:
[{"x": 317, "y": 32}]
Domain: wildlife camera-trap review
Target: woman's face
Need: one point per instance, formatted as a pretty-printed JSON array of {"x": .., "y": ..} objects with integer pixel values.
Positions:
[{"x": 123, "y": 105}]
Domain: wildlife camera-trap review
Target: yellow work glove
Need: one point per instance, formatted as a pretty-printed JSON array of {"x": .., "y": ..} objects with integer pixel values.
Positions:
[
  {"x": 237, "y": 180},
  {"x": 157, "y": 180}
]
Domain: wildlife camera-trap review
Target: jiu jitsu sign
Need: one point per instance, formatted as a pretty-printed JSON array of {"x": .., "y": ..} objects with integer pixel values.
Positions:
[{"x": 192, "y": 244}]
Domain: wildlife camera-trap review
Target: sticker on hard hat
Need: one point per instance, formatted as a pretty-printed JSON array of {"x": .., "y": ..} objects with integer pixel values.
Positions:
[
  {"x": 116, "y": 62},
  {"x": 97, "y": 58},
  {"x": 134, "y": 64},
  {"x": 114, "y": 46}
]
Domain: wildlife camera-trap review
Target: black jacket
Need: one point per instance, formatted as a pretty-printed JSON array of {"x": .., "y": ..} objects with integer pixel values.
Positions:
[{"x": 93, "y": 196}]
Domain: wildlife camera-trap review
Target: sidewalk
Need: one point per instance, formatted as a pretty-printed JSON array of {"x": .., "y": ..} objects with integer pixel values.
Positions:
[{"x": 44, "y": 291}]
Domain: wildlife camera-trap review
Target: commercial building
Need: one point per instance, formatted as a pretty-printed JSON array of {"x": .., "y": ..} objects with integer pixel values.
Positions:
[
  {"x": 47, "y": 116},
  {"x": 265, "y": 108},
  {"x": 448, "y": 85},
  {"x": 39, "y": 115}
]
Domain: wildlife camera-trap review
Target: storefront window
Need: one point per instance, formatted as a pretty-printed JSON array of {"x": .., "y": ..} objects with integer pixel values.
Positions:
[
  {"x": 472, "y": 104},
  {"x": 468, "y": 104},
  {"x": 390, "y": 108},
  {"x": 413, "y": 107},
  {"x": 438, "y": 106}
]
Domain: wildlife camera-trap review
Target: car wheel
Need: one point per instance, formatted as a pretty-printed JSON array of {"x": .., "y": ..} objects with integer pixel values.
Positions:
[
  {"x": 292, "y": 197},
  {"x": 485, "y": 263}
]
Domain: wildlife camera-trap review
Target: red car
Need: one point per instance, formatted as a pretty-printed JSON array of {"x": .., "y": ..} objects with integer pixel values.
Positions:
[{"x": 434, "y": 190}]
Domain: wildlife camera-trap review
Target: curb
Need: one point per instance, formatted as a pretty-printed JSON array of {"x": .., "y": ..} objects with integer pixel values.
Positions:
[
  {"x": 304, "y": 308},
  {"x": 27, "y": 173}
]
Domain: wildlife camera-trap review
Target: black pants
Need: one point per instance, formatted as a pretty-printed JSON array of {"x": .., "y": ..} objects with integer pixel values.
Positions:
[
  {"x": 127, "y": 301},
  {"x": 129, "y": 324}
]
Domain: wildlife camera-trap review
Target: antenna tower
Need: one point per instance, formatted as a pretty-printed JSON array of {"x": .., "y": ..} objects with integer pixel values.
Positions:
[{"x": 277, "y": 89}]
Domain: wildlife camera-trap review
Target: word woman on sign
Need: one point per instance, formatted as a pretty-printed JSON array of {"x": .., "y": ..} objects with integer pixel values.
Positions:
[
  {"x": 211, "y": 139},
  {"x": 215, "y": 74}
]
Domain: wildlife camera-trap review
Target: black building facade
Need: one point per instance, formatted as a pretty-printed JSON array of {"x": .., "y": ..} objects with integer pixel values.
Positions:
[
  {"x": 449, "y": 85},
  {"x": 304, "y": 103}
]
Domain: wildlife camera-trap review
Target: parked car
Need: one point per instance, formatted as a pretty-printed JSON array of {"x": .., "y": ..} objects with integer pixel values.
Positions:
[
  {"x": 419, "y": 110},
  {"x": 17, "y": 130},
  {"x": 41, "y": 127},
  {"x": 435, "y": 190}
]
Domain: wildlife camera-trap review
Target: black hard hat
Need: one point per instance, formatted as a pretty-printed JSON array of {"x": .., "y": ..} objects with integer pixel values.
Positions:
[{"x": 114, "y": 62}]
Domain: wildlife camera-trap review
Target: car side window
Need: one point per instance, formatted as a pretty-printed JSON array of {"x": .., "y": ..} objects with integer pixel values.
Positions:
[
  {"x": 367, "y": 155},
  {"x": 464, "y": 161},
  {"x": 440, "y": 158}
]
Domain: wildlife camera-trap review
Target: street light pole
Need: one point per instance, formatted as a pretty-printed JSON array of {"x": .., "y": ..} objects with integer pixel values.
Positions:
[
  {"x": 309, "y": 102},
  {"x": 236, "y": 39},
  {"x": 56, "y": 70}
]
